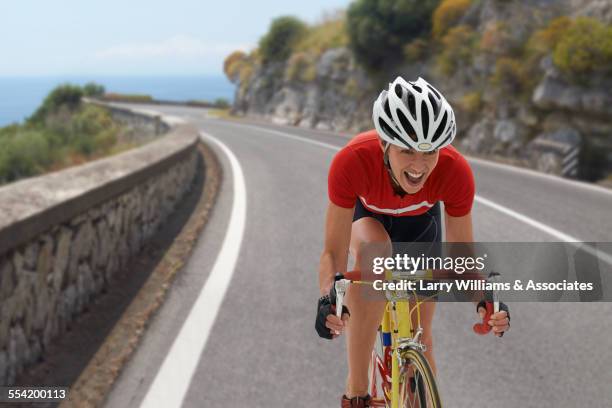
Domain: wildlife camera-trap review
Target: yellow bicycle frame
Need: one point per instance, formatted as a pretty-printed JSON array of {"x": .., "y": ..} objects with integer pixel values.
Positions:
[{"x": 397, "y": 321}]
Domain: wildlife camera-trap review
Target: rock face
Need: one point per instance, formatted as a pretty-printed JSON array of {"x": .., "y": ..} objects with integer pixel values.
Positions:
[
  {"x": 339, "y": 96},
  {"x": 327, "y": 102},
  {"x": 556, "y": 152},
  {"x": 600, "y": 9}
]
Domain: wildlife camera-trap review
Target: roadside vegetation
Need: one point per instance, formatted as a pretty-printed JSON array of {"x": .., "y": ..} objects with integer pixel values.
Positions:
[
  {"x": 62, "y": 132},
  {"x": 383, "y": 35}
]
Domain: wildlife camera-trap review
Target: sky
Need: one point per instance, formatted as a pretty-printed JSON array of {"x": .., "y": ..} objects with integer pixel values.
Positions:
[{"x": 136, "y": 37}]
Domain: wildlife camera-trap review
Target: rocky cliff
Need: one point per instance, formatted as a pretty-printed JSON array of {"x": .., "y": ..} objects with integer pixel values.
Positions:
[{"x": 511, "y": 102}]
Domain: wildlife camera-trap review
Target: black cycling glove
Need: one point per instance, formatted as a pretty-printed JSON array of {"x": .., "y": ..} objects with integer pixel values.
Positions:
[{"x": 325, "y": 307}]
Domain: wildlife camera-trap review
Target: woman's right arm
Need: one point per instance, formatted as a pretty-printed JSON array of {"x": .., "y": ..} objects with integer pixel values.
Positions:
[{"x": 334, "y": 259}]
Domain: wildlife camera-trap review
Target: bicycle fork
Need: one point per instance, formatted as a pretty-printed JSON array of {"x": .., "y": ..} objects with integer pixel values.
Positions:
[{"x": 395, "y": 378}]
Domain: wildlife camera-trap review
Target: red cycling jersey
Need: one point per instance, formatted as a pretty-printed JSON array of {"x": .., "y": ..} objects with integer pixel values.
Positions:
[{"x": 358, "y": 171}]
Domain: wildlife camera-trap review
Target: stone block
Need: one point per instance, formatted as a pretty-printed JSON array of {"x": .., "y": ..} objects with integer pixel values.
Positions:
[
  {"x": 61, "y": 259},
  {"x": 8, "y": 279},
  {"x": 30, "y": 255},
  {"x": 82, "y": 246},
  {"x": 44, "y": 263},
  {"x": 3, "y": 367}
]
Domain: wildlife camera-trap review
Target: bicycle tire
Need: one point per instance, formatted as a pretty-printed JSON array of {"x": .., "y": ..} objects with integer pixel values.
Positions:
[{"x": 425, "y": 387}]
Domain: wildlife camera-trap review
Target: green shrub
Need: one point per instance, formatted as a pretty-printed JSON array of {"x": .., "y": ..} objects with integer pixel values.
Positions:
[
  {"x": 300, "y": 67},
  {"x": 471, "y": 102},
  {"x": 498, "y": 41},
  {"x": 221, "y": 103},
  {"x": 62, "y": 135},
  {"x": 282, "y": 36},
  {"x": 458, "y": 49},
  {"x": 91, "y": 120},
  {"x": 510, "y": 76},
  {"x": 24, "y": 155},
  {"x": 93, "y": 89},
  {"x": 66, "y": 95},
  {"x": 447, "y": 15},
  {"x": 416, "y": 50},
  {"x": 328, "y": 34},
  {"x": 351, "y": 88},
  {"x": 545, "y": 40},
  {"x": 378, "y": 29},
  {"x": 584, "y": 48}
]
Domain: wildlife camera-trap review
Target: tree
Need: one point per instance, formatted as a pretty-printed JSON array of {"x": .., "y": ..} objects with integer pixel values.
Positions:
[
  {"x": 233, "y": 64},
  {"x": 93, "y": 89},
  {"x": 378, "y": 29},
  {"x": 278, "y": 43}
]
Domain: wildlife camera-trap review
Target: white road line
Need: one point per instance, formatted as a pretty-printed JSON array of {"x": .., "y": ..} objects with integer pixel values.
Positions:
[
  {"x": 488, "y": 163},
  {"x": 289, "y": 136},
  {"x": 173, "y": 379},
  {"x": 561, "y": 236},
  {"x": 547, "y": 229},
  {"x": 537, "y": 174}
]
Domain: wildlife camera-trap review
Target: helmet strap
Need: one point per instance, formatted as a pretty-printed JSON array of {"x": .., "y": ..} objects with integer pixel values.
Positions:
[{"x": 397, "y": 188}]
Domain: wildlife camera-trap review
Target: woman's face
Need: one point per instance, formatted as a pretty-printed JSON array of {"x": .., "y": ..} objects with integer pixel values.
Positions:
[{"x": 411, "y": 168}]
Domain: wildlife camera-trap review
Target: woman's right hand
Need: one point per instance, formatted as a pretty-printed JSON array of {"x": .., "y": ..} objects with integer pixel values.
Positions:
[{"x": 328, "y": 325}]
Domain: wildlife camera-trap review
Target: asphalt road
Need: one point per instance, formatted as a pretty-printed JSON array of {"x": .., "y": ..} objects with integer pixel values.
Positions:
[{"x": 262, "y": 350}]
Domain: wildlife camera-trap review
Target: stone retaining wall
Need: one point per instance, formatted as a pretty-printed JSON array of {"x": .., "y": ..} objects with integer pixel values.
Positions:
[{"x": 64, "y": 235}]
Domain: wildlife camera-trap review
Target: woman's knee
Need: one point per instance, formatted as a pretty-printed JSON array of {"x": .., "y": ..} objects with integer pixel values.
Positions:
[{"x": 369, "y": 239}]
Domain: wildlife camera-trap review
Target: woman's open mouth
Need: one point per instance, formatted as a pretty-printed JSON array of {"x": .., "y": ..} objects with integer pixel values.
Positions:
[{"x": 414, "y": 179}]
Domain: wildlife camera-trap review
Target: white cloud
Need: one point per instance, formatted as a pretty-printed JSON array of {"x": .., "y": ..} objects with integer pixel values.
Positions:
[{"x": 179, "y": 46}]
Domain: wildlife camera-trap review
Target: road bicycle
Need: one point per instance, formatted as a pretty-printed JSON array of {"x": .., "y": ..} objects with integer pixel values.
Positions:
[{"x": 400, "y": 375}]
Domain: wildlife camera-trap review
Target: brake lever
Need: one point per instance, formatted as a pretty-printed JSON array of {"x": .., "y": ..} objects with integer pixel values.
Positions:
[
  {"x": 491, "y": 307},
  {"x": 340, "y": 286}
]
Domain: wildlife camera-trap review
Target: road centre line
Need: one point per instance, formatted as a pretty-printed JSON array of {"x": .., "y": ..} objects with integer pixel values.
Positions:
[
  {"x": 174, "y": 376},
  {"x": 491, "y": 204},
  {"x": 537, "y": 174}
]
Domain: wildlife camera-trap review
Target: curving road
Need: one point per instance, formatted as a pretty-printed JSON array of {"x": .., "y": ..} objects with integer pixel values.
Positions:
[{"x": 237, "y": 327}]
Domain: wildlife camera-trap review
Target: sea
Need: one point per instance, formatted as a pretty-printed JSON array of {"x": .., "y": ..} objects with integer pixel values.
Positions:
[{"x": 21, "y": 96}]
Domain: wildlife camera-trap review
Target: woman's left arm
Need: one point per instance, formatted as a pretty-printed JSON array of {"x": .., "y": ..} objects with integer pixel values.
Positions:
[{"x": 458, "y": 229}]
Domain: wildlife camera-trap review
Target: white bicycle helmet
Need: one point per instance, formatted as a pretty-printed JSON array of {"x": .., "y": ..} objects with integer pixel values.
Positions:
[{"x": 414, "y": 115}]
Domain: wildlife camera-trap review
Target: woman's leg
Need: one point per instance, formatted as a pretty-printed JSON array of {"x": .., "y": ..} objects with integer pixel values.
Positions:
[{"x": 366, "y": 313}]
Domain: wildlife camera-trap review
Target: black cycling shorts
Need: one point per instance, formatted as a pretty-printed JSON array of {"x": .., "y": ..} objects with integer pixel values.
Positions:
[{"x": 426, "y": 227}]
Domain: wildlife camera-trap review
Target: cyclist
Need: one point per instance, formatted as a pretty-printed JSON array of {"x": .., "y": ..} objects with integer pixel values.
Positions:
[{"x": 385, "y": 186}]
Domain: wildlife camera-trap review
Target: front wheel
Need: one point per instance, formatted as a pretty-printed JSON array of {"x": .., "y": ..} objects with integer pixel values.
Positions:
[{"x": 419, "y": 389}]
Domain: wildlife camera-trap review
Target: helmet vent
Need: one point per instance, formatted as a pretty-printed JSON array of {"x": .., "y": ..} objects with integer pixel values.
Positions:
[
  {"x": 417, "y": 88},
  {"x": 398, "y": 90},
  {"x": 445, "y": 140},
  {"x": 424, "y": 118},
  {"x": 387, "y": 108},
  {"x": 412, "y": 105},
  {"x": 435, "y": 104},
  {"x": 387, "y": 129},
  {"x": 440, "y": 129},
  {"x": 406, "y": 125},
  {"x": 434, "y": 91}
]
